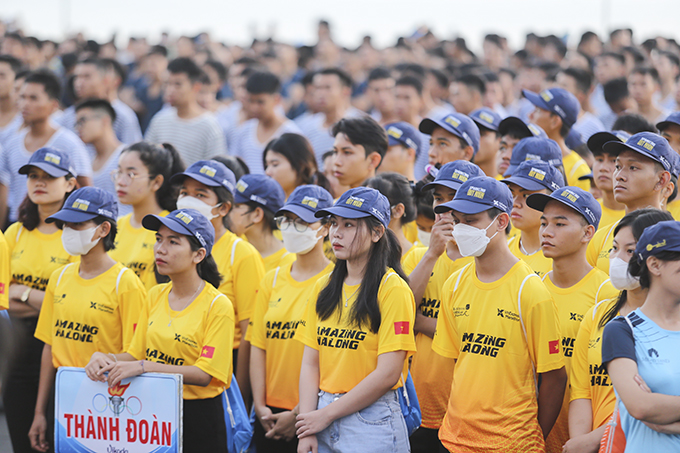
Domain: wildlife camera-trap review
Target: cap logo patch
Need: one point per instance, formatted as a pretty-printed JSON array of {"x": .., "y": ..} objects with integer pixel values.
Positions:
[
  {"x": 208, "y": 171},
  {"x": 258, "y": 199},
  {"x": 241, "y": 186},
  {"x": 184, "y": 217},
  {"x": 452, "y": 121},
  {"x": 355, "y": 201},
  {"x": 590, "y": 214},
  {"x": 486, "y": 117},
  {"x": 52, "y": 158},
  {"x": 378, "y": 214},
  {"x": 620, "y": 136},
  {"x": 554, "y": 185},
  {"x": 537, "y": 174},
  {"x": 646, "y": 144},
  {"x": 81, "y": 204},
  {"x": 200, "y": 238},
  {"x": 659, "y": 244},
  {"x": 310, "y": 201},
  {"x": 500, "y": 205},
  {"x": 532, "y": 157},
  {"x": 460, "y": 176},
  {"x": 534, "y": 130},
  {"x": 476, "y": 192},
  {"x": 411, "y": 144},
  {"x": 546, "y": 95},
  {"x": 569, "y": 195},
  {"x": 105, "y": 213},
  {"x": 559, "y": 111},
  {"x": 394, "y": 132}
]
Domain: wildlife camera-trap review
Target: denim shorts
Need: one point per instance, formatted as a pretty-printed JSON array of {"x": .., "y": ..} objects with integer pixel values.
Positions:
[{"x": 377, "y": 428}]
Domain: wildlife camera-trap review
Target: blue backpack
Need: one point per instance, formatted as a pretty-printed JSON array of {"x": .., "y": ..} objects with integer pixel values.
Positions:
[
  {"x": 239, "y": 429},
  {"x": 410, "y": 408}
]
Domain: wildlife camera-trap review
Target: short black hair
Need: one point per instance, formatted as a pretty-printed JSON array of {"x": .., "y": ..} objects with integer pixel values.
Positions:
[
  {"x": 411, "y": 81},
  {"x": 262, "y": 82},
  {"x": 364, "y": 131},
  {"x": 633, "y": 123},
  {"x": 15, "y": 36},
  {"x": 621, "y": 30},
  {"x": 615, "y": 90},
  {"x": 638, "y": 57},
  {"x": 379, "y": 73},
  {"x": 494, "y": 39},
  {"x": 48, "y": 80},
  {"x": 583, "y": 78},
  {"x": 673, "y": 58},
  {"x": 219, "y": 68},
  {"x": 13, "y": 63},
  {"x": 186, "y": 66},
  {"x": 550, "y": 70},
  {"x": 411, "y": 69},
  {"x": 158, "y": 50},
  {"x": 508, "y": 71},
  {"x": 473, "y": 82},
  {"x": 345, "y": 78},
  {"x": 100, "y": 105},
  {"x": 114, "y": 65},
  {"x": 94, "y": 61},
  {"x": 441, "y": 77},
  {"x": 614, "y": 55},
  {"x": 587, "y": 36},
  {"x": 646, "y": 70},
  {"x": 558, "y": 44}
]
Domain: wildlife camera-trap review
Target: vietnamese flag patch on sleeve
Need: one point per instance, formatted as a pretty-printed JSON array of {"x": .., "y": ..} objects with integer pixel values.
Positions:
[
  {"x": 401, "y": 327},
  {"x": 208, "y": 351},
  {"x": 2, "y": 288},
  {"x": 554, "y": 346}
]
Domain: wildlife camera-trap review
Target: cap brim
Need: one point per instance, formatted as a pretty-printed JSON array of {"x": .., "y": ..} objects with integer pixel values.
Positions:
[
  {"x": 538, "y": 201},
  {"x": 428, "y": 125},
  {"x": 47, "y": 168},
  {"x": 510, "y": 170},
  {"x": 617, "y": 147},
  {"x": 179, "y": 177},
  {"x": 665, "y": 124},
  {"x": 71, "y": 216},
  {"x": 341, "y": 211},
  {"x": 537, "y": 100},
  {"x": 597, "y": 140},
  {"x": 305, "y": 214},
  {"x": 453, "y": 185},
  {"x": 525, "y": 183},
  {"x": 464, "y": 206},
  {"x": 482, "y": 124},
  {"x": 512, "y": 121},
  {"x": 153, "y": 222},
  {"x": 586, "y": 177}
]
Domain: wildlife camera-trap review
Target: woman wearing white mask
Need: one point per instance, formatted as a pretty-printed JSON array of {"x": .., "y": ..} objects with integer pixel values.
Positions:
[
  {"x": 592, "y": 396},
  {"x": 89, "y": 306},
  {"x": 208, "y": 187},
  {"x": 280, "y": 306}
]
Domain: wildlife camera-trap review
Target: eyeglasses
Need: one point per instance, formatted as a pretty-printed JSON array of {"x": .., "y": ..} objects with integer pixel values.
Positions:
[
  {"x": 127, "y": 177},
  {"x": 284, "y": 223}
]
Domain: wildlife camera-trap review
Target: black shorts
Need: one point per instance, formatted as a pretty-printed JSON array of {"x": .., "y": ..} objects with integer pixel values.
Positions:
[{"x": 204, "y": 427}]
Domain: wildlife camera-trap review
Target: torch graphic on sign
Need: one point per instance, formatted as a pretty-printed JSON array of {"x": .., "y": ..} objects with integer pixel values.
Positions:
[{"x": 116, "y": 398}]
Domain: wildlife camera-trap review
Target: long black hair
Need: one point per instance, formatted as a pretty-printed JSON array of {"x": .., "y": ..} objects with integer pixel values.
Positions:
[
  {"x": 397, "y": 189},
  {"x": 207, "y": 269},
  {"x": 383, "y": 254},
  {"x": 638, "y": 221}
]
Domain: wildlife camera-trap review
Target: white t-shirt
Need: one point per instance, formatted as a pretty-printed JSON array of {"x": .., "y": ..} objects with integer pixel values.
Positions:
[
  {"x": 319, "y": 135},
  {"x": 248, "y": 148},
  {"x": 587, "y": 125}
]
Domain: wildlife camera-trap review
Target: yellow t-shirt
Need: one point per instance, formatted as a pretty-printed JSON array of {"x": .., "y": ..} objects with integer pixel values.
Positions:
[
  {"x": 279, "y": 259},
  {"x": 588, "y": 377},
  {"x": 5, "y": 276},
  {"x": 242, "y": 270},
  {"x": 279, "y": 308},
  {"x": 34, "y": 256},
  {"x": 572, "y": 304},
  {"x": 80, "y": 317},
  {"x": 348, "y": 354},
  {"x": 200, "y": 335},
  {"x": 432, "y": 374},
  {"x": 575, "y": 167},
  {"x": 493, "y": 405},
  {"x": 674, "y": 208},
  {"x": 499, "y": 177},
  {"x": 410, "y": 231},
  {"x": 600, "y": 246},
  {"x": 610, "y": 216},
  {"x": 537, "y": 261},
  {"x": 134, "y": 248}
]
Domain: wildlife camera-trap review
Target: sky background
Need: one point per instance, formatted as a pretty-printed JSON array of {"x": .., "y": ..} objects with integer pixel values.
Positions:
[{"x": 294, "y": 21}]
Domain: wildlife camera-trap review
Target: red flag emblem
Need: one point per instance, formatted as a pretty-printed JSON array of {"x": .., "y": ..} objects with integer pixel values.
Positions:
[
  {"x": 554, "y": 346},
  {"x": 2, "y": 288},
  {"x": 401, "y": 327},
  {"x": 208, "y": 351}
]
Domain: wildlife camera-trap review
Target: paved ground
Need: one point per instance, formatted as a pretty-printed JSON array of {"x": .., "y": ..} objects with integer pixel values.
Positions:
[{"x": 5, "y": 445}]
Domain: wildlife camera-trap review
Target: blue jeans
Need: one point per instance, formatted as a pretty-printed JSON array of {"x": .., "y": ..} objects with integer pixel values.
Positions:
[{"x": 377, "y": 428}]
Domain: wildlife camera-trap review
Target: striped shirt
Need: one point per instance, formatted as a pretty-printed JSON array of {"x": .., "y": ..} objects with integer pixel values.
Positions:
[
  {"x": 319, "y": 136},
  {"x": 10, "y": 128},
  {"x": 588, "y": 125},
  {"x": 199, "y": 138},
  {"x": 14, "y": 156},
  {"x": 248, "y": 148},
  {"x": 228, "y": 120},
  {"x": 102, "y": 179},
  {"x": 126, "y": 125}
]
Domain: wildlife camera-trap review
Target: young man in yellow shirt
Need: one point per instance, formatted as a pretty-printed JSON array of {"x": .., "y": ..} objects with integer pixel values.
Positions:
[
  {"x": 500, "y": 324},
  {"x": 604, "y": 165}
]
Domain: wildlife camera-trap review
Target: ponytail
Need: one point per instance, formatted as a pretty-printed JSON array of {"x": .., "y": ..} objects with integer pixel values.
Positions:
[{"x": 207, "y": 269}]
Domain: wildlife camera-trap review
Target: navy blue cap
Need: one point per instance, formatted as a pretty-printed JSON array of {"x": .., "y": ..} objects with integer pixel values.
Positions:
[
  {"x": 261, "y": 189},
  {"x": 529, "y": 129},
  {"x": 358, "y": 203},
  {"x": 188, "y": 222},
  {"x": 85, "y": 204},
  {"x": 672, "y": 119},
  {"x": 661, "y": 237},
  {"x": 477, "y": 195},
  {"x": 536, "y": 175},
  {"x": 485, "y": 117},
  {"x": 598, "y": 139},
  {"x": 208, "y": 172},
  {"x": 587, "y": 177},
  {"x": 456, "y": 123},
  {"x": 454, "y": 174},
  {"x": 648, "y": 144},
  {"x": 558, "y": 101},
  {"x": 306, "y": 200},
  {"x": 577, "y": 199},
  {"x": 52, "y": 161},
  {"x": 534, "y": 148},
  {"x": 402, "y": 133},
  {"x": 574, "y": 139}
]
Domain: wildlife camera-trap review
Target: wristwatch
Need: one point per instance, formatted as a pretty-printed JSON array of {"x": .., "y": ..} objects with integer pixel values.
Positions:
[{"x": 24, "y": 296}]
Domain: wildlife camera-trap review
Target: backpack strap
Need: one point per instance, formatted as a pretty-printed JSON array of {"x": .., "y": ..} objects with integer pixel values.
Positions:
[
  {"x": 233, "y": 249},
  {"x": 524, "y": 330},
  {"x": 61, "y": 274}
]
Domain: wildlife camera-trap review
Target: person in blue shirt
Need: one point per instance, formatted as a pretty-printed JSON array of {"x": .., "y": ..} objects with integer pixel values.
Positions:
[{"x": 640, "y": 350}]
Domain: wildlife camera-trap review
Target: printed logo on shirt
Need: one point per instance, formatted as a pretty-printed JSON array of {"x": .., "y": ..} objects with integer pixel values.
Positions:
[
  {"x": 652, "y": 352},
  {"x": 339, "y": 338},
  {"x": 208, "y": 352},
  {"x": 401, "y": 328},
  {"x": 137, "y": 266},
  {"x": 101, "y": 307},
  {"x": 59, "y": 299},
  {"x": 58, "y": 260},
  {"x": 75, "y": 331},
  {"x": 278, "y": 330},
  {"x": 599, "y": 376},
  {"x": 460, "y": 311},
  {"x": 147, "y": 245},
  {"x": 507, "y": 314},
  {"x": 186, "y": 340},
  {"x": 593, "y": 343},
  {"x": 568, "y": 346},
  {"x": 554, "y": 347},
  {"x": 430, "y": 308},
  {"x": 482, "y": 344},
  {"x": 32, "y": 281},
  {"x": 575, "y": 317},
  {"x": 274, "y": 303},
  {"x": 161, "y": 357}
]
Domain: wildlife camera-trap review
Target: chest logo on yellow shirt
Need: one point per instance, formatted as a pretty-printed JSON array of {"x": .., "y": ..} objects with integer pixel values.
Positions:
[
  {"x": 161, "y": 357},
  {"x": 186, "y": 340},
  {"x": 460, "y": 311},
  {"x": 58, "y": 260},
  {"x": 575, "y": 317},
  {"x": 58, "y": 300},
  {"x": 507, "y": 314},
  {"x": 101, "y": 307},
  {"x": 32, "y": 281},
  {"x": 599, "y": 376},
  {"x": 136, "y": 266},
  {"x": 75, "y": 331},
  {"x": 430, "y": 308},
  {"x": 147, "y": 245},
  {"x": 339, "y": 338},
  {"x": 568, "y": 346},
  {"x": 482, "y": 344},
  {"x": 278, "y": 330}
]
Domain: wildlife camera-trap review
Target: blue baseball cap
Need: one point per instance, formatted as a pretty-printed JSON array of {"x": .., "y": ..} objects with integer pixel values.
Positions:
[
  {"x": 534, "y": 148},
  {"x": 671, "y": 120},
  {"x": 208, "y": 172},
  {"x": 487, "y": 118},
  {"x": 536, "y": 175},
  {"x": 454, "y": 174},
  {"x": 650, "y": 145},
  {"x": 52, "y": 161},
  {"x": 558, "y": 101},
  {"x": 598, "y": 139},
  {"x": 661, "y": 237},
  {"x": 306, "y": 200},
  {"x": 85, "y": 204},
  {"x": 456, "y": 123},
  {"x": 529, "y": 129},
  {"x": 188, "y": 222},
  {"x": 477, "y": 195},
  {"x": 262, "y": 190},
  {"x": 358, "y": 203},
  {"x": 577, "y": 199},
  {"x": 402, "y": 133}
]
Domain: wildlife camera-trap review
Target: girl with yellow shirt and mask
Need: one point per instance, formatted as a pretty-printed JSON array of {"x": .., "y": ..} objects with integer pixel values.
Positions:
[
  {"x": 280, "y": 307},
  {"x": 88, "y": 306},
  {"x": 143, "y": 181},
  {"x": 192, "y": 309},
  {"x": 357, "y": 333}
]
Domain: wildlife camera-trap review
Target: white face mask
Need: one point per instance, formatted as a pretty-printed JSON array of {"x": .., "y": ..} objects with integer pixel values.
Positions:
[
  {"x": 204, "y": 208},
  {"x": 472, "y": 241},
  {"x": 424, "y": 237},
  {"x": 300, "y": 243},
  {"x": 619, "y": 276},
  {"x": 77, "y": 242}
]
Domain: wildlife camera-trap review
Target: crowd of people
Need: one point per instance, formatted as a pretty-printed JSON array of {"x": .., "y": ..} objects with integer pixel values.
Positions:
[{"x": 326, "y": 224}]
